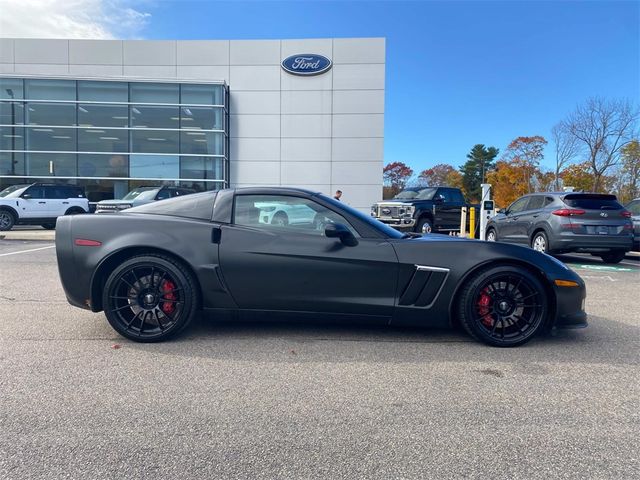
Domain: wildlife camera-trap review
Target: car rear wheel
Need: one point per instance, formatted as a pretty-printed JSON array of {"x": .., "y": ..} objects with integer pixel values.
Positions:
[
  {"x": 539, "y": 242},
  {"x": 7, "y": 220},
  {"x": 503, "y": 306},
  {"x": 49, "y": 226},
  {"x": 150, "y": 298},
  {"x": 613, "y": 257},
  {"x": 491, "y": 235}
]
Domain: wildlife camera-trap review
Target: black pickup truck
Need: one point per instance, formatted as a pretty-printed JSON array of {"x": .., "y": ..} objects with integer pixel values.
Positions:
[{"x": 423, "y": 209}]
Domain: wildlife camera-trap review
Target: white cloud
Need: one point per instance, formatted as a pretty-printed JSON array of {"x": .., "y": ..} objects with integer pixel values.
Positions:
[{"x": 97, "y": 19}]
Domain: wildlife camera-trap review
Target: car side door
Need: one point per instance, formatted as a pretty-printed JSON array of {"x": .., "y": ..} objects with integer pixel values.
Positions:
[
  {"x": 57, "y": 197},
  {"x": 449, "y": 209},
  {"x": 294, "y": 267},
  {"x": 33, "y": 204},
  {"x": 528, "y": 218},
  {"x": 508, "y": 228}
]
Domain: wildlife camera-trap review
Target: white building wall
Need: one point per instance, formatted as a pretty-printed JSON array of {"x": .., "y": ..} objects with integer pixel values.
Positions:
[{"x": 323, "y": 132}]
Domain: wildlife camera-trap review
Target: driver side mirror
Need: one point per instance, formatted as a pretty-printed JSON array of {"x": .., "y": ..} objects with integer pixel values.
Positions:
[
  {"x": 502, "y": 210},
  {"x": 439, "y": 199},
  {"x": 337, "y": 230},
  {"x": 26, "y": 196}
]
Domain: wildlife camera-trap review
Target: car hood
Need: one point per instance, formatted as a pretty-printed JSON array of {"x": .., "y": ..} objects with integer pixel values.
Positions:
[{"x": 115, "y": 202}]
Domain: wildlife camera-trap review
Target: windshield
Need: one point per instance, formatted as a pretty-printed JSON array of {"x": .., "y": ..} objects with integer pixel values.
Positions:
[
  {"x": 416, "y": 193},
  {"x": 13, "y": 191},
  {"x": 144, "y": 193},
  {"x": 378, "y": 225}
]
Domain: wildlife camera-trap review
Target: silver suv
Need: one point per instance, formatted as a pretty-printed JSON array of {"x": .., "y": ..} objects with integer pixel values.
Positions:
[
  {"x": 566, "y": 222},
  {"x": 40, "y": 204},
  {"x": 141, "y": 196}
]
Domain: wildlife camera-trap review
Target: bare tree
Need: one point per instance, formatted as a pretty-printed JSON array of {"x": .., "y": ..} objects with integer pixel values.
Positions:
[
  {"x": 566, "y": 148},
  {"x": 602, "y": 128}
]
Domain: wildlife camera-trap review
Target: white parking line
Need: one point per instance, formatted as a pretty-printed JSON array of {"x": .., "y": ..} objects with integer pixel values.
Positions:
[{"x": 26, "y": 251}]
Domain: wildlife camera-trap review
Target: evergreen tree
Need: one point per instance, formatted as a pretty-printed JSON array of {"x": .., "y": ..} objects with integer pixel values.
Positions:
[{"x": 479, "y": 162}]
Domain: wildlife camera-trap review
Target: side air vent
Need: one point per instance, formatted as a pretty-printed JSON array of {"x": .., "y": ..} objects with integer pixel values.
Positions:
[{"x": 424, "y": 287}]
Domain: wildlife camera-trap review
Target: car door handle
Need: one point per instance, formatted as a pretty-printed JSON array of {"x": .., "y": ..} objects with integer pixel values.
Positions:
[
  {"x": 536, "y": 215},
  {"x": 65, "y": 203},
  {"x": 42, "y": 202}
]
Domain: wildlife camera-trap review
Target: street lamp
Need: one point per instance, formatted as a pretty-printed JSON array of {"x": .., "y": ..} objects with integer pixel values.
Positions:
[{"x": 13, "y": 131}]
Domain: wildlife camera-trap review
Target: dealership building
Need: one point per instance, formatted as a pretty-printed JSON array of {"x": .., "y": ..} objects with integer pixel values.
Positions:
[{"x": 111, "y": 115}]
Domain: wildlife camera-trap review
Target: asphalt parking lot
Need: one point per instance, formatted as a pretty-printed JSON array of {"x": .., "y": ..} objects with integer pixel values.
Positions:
[{"x": 310, "y": 401}]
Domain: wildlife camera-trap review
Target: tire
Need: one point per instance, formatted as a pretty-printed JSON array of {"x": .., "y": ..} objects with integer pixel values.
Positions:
[
  {"x": 74, "y": 211},
  {"x": 491, "y": 236},
  {"x": 7, "y": 220},
  {"x": 540, "y": 242},
  {"x": 424, "y": 225},
  {"x": 281, "y": 219},
  {"x": 509, "y": 297},
  {"x": 150, "y": 298},
  {"x": 49, "y": 226},
  {"x": 616, "y": 256}
]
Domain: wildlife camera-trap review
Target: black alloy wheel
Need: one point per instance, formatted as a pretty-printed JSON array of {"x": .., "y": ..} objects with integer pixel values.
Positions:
[
  {"x": 7, "y": 220},
  {"x": 503, "y": 306},
  {"x": 615, "y": 256},
  {"x": 74, "y": 211},
  {"x": 150, "y": 298}
]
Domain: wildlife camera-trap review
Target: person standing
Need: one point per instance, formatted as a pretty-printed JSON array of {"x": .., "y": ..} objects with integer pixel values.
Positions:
[{"x": 337, "y": 195}]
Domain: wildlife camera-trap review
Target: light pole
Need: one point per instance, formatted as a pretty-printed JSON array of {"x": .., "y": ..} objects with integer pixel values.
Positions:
[{"x": 13, "y": 132}]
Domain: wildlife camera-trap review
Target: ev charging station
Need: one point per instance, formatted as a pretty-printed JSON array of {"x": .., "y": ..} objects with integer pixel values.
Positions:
[{"x": 486, "y": 208}]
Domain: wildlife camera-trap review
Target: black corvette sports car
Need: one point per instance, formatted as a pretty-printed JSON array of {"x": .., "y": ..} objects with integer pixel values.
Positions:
[{"x": 259, "y": 253}]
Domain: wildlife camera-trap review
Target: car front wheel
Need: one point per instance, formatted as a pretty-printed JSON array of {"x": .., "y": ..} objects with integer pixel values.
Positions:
[
  {"x": 150, "y": 298},
  {"x": 491, "y": 235},
  {"x": 503, "y": 306},
  {"x": 613, "y": 257},
  {"x": 424, "y": 226}
]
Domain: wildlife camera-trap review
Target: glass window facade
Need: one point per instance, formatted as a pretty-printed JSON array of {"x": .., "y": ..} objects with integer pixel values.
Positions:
[{"x": 110, "y": 136}]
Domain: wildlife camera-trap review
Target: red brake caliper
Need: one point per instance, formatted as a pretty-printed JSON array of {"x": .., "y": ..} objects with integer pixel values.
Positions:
[
  {"x": 167, "y": 289},
  {"x": 484, "y": 302}
]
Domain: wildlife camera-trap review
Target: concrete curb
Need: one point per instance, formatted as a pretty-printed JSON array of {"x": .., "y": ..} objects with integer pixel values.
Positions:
[{"x": 29, "y": 235}]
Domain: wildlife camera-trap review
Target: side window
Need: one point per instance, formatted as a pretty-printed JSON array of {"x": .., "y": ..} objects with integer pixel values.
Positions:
[
  {"x": 446, "y": 193},
  {"x": 284, "y": 214},
  {"x": 163, "y": 194},
  {"x": 519, "y": 205},
  {"x": 35, "y": 192},
  {"x": 536, "y": 202},
  {"x": 456, "y": 196},
  {"x": 548, "y": 201}
]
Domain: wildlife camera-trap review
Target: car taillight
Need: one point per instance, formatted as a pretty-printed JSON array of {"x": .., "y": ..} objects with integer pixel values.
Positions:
[
  {"x": 568, "y": 212},
  {"x": 625, "y": 214}
]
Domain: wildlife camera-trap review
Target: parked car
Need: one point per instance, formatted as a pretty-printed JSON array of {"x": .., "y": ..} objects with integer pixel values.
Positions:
[
  {"x": 40, "y": 204},
  {"x": 422, "y": 209},
  {"x": 566, "y": 222},
  {"x": 141, "y": 196},
  {"x": 634, "y": 208},
  {"x": 151, "y": 268}
]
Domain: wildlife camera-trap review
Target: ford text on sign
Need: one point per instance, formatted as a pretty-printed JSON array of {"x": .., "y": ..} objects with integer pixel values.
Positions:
[{"x": 306, "y": 64}]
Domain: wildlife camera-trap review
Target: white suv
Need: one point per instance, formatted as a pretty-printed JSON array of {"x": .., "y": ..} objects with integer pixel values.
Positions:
[{"x": 40, "y": 204}]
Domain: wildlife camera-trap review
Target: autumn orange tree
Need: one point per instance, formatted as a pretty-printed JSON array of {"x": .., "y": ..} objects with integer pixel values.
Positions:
[
  {"x": 506, "y": 183},
  {"x": 442, "y": 174},
  {"x": 526, "y": 153},
  {"x": 395, "y": 176}
]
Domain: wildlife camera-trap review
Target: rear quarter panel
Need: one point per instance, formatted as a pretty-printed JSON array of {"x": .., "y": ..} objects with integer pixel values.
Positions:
[{"x": 84, "y": 269}]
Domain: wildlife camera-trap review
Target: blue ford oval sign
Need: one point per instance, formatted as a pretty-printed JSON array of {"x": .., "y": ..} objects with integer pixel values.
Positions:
[{"x": 306, "y": 64}]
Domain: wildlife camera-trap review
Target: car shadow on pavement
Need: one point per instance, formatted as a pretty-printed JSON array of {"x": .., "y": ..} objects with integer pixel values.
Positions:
[{"x": 604, "y": 342}]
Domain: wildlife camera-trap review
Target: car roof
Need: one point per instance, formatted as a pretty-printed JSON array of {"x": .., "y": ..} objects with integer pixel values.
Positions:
[{"x": 274, "y": 190}]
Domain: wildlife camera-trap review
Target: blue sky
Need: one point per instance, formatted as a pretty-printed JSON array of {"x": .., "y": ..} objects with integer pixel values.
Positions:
[{"x": 458, "y": 72}]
